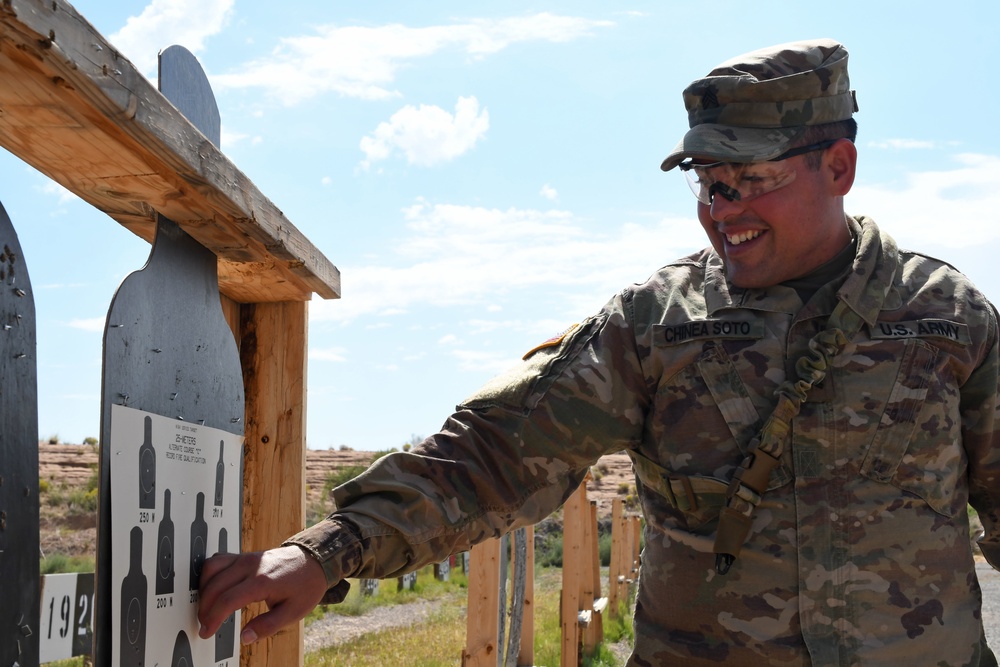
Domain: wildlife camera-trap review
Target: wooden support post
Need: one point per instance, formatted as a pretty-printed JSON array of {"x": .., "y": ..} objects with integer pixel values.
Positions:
[
  {"x": 636, "y": 545},
  {"x": 586, "y": 581},
  {"x": 483, "y": 613},
  {"x": 573, "y": 565},
  {"x": 615, "y": 570},
  {"x": 273, "y": 355},
  {"x": 526, "y": 653},
  {"x": 597, "y": 601},
  {"x": 596, "y": 546}
]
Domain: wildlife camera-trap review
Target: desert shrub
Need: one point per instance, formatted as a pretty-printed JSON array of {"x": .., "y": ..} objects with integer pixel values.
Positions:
[
  {"x": 604, "y": 548},
  {"x": 60, "y": 563}
]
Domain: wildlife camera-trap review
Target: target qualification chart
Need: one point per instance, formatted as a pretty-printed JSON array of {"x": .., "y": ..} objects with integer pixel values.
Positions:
[{"x": 175, "y": 501}]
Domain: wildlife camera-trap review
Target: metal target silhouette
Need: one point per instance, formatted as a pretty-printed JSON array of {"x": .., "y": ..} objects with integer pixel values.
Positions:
[
  {"x": 19, "y": 543},
  {"x": 168, "y": 349}
]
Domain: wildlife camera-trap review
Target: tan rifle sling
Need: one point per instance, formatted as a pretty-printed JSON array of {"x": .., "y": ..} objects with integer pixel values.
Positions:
[{"x": 750, "y": 479}]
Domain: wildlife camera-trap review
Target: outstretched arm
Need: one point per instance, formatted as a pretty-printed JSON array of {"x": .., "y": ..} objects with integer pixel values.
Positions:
[{"x": 287, "y": 579}]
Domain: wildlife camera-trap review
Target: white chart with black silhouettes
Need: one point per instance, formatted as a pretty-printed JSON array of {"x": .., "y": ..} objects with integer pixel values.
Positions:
[{"x": 175, "y": 500}]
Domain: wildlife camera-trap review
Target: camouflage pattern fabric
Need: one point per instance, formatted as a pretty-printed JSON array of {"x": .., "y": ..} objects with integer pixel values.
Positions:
[
  {"x": 859, "y": 552},
  {"x": 755, "y": 106}
]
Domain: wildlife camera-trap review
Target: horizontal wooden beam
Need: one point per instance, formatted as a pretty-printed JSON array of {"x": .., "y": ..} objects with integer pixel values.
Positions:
[{"x": 74, "y": 108}]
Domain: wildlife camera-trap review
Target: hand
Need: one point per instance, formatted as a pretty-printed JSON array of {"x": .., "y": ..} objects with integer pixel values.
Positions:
[{"x": 288, "y": 579}]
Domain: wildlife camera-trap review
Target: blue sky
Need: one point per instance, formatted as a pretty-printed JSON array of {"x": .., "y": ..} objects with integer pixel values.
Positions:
[{"x": 485, "y": 175}]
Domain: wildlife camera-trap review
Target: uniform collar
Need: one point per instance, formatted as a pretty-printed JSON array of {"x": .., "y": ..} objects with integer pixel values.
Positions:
[
  {"x": 870, "y": 286},
  {"x": 867, "y": 289}
]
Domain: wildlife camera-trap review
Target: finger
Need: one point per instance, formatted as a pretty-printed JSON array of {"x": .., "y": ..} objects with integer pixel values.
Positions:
[
  {"x": 277, "y": 617},
  {"x": 228, "y": 586},
  {"x": 219, "y": 573},
  {"x": 215, "y": 564}
]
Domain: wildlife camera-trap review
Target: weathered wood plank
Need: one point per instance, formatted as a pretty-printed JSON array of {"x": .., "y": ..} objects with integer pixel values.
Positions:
[
  {"x": 483, "y": 618},
  {"x": 80, "y": 112},
  {"x": 273, "y": 351}
]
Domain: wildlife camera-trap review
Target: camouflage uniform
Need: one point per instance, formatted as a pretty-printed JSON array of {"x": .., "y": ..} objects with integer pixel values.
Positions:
[{"x": 859, "y": 553}]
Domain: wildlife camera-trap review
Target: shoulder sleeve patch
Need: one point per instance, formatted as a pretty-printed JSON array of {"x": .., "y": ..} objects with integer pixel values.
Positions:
[
  {"x": 512, "y": 388},
  {"x": 555, "y": 341}
]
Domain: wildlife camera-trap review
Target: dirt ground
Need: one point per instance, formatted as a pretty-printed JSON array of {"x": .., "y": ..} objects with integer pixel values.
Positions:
[{"x": 73, "y": 532}]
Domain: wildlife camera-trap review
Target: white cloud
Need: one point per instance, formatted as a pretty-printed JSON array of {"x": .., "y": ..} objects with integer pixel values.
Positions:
[
  {"x": 164, "y": 23},
  {"x": 449, "y": 339},
  {"x": 230, "y": 140},
  {"x": 428, "y": 135},
  {"x": 362, "y": 62},
  {"x": 88, "y": 324},
  {"x": 480, "y": 361},
  {"x": 328, "y": 354},
  {"x": 454, "y": 255},
  {"x": 954, "y": 208},
  {"x": 902, "y": 144},
  {"x": 549, "y": 192},
  {"x": 53, "y": 189},
  {"x": 462, "y": 255}
]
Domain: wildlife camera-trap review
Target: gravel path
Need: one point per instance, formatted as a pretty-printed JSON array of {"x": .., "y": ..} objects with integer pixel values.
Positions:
[
  {"x": 335, "y": 628},
  {"x": 989, "y": 579}
]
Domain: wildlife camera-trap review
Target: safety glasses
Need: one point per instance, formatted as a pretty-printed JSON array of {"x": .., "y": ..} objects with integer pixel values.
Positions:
[{"x": 741, "y": 181}]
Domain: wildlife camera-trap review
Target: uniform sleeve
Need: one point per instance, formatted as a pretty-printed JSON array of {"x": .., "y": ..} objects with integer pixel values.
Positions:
[
  {"x": 981, "y": 433},
  {"x": 508, "y": 457}
]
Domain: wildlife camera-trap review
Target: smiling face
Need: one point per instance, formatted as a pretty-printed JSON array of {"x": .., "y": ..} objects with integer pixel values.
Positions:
[{"x": 788, "y": 232}]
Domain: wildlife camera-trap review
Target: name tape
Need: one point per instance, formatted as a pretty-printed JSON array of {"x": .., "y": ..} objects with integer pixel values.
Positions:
[{"x": 674, "y": 334}]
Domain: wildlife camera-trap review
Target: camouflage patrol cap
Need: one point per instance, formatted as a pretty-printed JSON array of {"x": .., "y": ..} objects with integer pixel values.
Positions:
[{"x": 754, "y": 106}]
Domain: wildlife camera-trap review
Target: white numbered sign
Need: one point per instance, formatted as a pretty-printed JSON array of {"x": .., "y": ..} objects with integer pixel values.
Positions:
[{"x": 67, "y": 618}]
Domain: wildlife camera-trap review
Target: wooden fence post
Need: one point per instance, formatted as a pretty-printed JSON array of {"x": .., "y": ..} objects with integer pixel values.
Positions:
[
  {"x": 484, "y": 612},
  {"x": 616, "y": 575},
  {"x": 598, "y": 603},
  {"x": 526, "y": 651},
  {"x": 636, "y": 546},
  {"x": 573, "y": 566},
  {"x": 273, "y": 354},
  {"x": 586, "y": 577}
]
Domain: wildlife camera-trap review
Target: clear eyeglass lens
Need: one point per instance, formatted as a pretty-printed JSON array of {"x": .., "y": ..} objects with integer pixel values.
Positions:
[{"x": 738, "y": 181}]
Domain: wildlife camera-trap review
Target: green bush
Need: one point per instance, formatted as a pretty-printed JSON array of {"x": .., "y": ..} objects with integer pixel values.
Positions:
[
  {"x": 604, "y": 549},
  {"x": 60, "y": 563},
  {"x": 82, "y": 501},
  {"x": 549, "y": 550}
]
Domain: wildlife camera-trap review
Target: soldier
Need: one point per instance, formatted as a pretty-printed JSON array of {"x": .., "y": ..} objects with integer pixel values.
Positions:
[{"x": 809, "y": 410}]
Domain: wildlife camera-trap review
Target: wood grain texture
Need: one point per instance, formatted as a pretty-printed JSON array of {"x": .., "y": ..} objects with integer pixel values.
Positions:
[
  {"x": 273, "y": 353},
  {"x": 483, "y": 617},
  {"x": 79, "y": 111}
]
